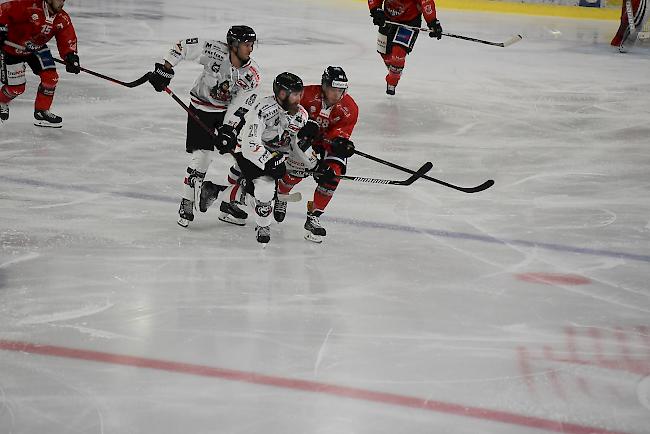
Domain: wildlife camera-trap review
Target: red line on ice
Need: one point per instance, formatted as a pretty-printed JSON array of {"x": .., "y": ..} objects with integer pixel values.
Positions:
[{"x": 303, "y": 385}]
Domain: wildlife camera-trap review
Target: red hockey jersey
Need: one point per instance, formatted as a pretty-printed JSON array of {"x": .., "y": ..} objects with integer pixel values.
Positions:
[
  {"x": 403, "y": 11},
  {"x": 30, "y": 21},
  {"x": 335, "y": 121}
]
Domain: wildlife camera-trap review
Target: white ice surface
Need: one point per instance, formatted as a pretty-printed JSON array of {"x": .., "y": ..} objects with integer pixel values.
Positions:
[{"x": 414, "y": 291}]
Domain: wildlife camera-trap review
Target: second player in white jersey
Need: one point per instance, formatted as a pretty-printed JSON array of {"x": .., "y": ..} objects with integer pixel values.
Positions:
[{"x": 271, "y": 143}]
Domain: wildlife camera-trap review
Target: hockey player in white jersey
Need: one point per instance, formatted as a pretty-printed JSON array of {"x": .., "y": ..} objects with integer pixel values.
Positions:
[
  {"x": 274, "y": 140},
  {"x": 228, "y": 80}
]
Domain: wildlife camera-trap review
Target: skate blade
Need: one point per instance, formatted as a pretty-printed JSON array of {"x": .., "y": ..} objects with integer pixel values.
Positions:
[
  {"x": 227, "y": 218},
  {"x": 183, "y": 222},
  {"x": 313, "y": 238},
  {"x": 45, "y": 124}
]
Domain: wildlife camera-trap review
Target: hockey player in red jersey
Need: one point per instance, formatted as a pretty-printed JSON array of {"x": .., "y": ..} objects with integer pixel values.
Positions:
[
  {"x": 31, "y": 24},
  {"x": 633, "y": 18},
  {"x": 333, "y": 114},
  {"x": 394, "y": 43}
]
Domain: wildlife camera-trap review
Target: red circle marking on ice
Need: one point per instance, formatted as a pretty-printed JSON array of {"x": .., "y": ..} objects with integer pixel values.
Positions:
[{"x": 551, "y": 279}]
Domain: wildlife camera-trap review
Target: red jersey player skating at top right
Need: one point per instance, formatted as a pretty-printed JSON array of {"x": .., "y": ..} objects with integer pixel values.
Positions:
[
  {"x": 394, "y": 42},
  {"x": 333, "y": 115}
]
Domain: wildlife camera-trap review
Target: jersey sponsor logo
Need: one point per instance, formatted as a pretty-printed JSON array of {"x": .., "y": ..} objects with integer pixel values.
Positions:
[
  {"x": 346, "y": 111},
  {"x": 34, "y": 18},
  {"x": 192, "y": 41},
  {"x": 428, "y": 9}
]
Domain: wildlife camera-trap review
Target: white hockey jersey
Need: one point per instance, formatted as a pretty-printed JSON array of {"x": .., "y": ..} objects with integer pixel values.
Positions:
[
  {"x": 221, "y": 86},
  {"x": 270, "y": 128}
]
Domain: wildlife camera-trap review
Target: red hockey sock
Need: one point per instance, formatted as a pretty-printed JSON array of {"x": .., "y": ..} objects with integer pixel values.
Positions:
[
  {"x": 395, "y": 62},
  {"x": 287, "y": 183},
  {"x": 45, "y": 94},
  {"x": 10, "y": 92}
]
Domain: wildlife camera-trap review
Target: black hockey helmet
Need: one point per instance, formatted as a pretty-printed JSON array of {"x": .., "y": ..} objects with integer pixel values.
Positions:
[
  {"x": 287, "y": 81},
  {"x": 335, "y": 77},
  {"x": 237, "y": 34}
]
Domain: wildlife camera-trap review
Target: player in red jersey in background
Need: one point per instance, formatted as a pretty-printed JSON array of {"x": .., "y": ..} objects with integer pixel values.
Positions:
[
  {"x": 333, "y": 115},
  {"x": 31, "y": 24},
  {"x": 633, "y": 17},
  {"x": 394, "y": 42}
]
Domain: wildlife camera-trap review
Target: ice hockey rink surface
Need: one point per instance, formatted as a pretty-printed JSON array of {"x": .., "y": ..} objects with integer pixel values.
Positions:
[{"x": 522, "y": 309}]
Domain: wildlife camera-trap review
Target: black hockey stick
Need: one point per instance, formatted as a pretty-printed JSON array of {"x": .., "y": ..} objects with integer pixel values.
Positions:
[
  {"x": 129, "y": 84},
  {"x": 408, "y": 181},
  {"x": 513, "y": 39},
  {"x": 487, "y": 184}
]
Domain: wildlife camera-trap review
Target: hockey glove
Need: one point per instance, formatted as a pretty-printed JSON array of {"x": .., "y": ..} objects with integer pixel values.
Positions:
[
  {"x": 342, "y": 147},
  {"x": 275, "y": 167},
  {"x": 161, "y": 77},
  {"x": 309, "y": 131},
  {"x": 436, "y": 29},
  {"x": 226, "y": 139},
  {"x": 324, "y": 174},
  {"x": 378, "y": 17},
  {"x": 72, "y": 63},
  {"x": 4, "y": 31}
]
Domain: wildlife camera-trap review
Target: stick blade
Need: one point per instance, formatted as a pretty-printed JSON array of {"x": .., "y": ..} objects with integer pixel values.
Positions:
[
  {"x": 487, "y": 184},
  {"x": 513, "y": 40},
  {"x": 418, "y": 174}
]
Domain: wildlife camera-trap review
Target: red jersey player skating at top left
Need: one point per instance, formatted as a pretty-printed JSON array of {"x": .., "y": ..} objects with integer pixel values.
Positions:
[{"x": 31, "y": 24}]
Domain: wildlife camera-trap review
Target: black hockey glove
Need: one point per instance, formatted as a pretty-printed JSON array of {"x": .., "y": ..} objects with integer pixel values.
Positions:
[
  {"x": 323, "y": 174},
  {"x": 275, "y": 167},
  {"x": 72, "y": 63},
  {"x": 378, "y": 17},
  {"x": 342, "y": 147},
  {"x": 226, "y": 139},
  {"x": 436, "y": 29},
  {"x": 309, "y": 131},
  {"x": 4, "y": 31},
  {"x": 160, "y": 77}
]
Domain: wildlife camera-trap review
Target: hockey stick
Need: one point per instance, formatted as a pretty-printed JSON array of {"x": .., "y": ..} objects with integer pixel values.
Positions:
[
  {"x": 512, "y": 40},
  {"x": 408, "y": 181},
  {"x": 487, "y": 184},
  {"x": 129, "y": 84},
  {"x": 291, "y": 197}
]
